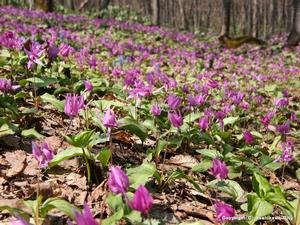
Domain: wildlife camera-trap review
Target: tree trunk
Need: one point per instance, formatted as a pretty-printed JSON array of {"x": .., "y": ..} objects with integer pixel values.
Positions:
[
  {"x": 155, "y": 11},
  {"x": 294, "y": 36},
  {"x": 226, "y": 17},
  {"x": 104, "y": 4},
  {"x": 45, "y": 5},
  {"x": 255, "y": 18},
  {"x": 182, "y": 15}
]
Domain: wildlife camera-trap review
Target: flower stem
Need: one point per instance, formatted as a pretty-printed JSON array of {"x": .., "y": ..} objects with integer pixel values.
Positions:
[{"x": 88, "y": 169}]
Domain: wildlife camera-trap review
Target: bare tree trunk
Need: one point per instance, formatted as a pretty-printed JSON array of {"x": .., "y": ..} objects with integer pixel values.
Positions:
[
  {"x": 45, "y": 5},
  {"x": 255, "y": 18},
  {"x": 182, "y": 15},
  {"x": 294, "y": 36},
  {"x": 104, "y": 4},
  {"x": 155, "y": 11},
  {"x": 226, "y": 17}
]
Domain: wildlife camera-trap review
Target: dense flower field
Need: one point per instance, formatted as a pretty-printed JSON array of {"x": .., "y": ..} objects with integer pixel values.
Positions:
[{"x": 111, "y": 122}]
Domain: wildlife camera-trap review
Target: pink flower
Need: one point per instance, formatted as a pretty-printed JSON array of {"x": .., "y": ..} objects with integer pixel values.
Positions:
[
  {"x": 88, "y": 85},
  {"x": 224, "y": 211},
  {"x": 174, "y": 101},
  {"x": 20, "y": 221},
  {"x": 74, "y": 104},
  {"x": 204, "y": 123},
  {"x": 155, "y": 110},
  {"x": 175, "y": 119},
  {"x": 109, "y": 119},
  {"x": 248, "y": 137},
  {"x": 118, "y": 181},
  {"x": 84, "y": 218},
  {"x": 43, "y": 153},
  {"x": 142, "y": 200},
  {"x": 219, "y": 169}
]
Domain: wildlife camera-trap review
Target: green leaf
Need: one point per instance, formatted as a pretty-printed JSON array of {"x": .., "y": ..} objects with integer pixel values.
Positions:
[
  {"x": 115, "y": 202},
  {"x": 230, "y": 120},
  {"x": 260, "y": 184},
  {"x": 160, "y": 146},
  {"x": 256, "y": 134},
  {"x": 260, "y": 208},
  {"x": 60, "y": 204},
  {"x": 32, "y": 133},
  {"x": 104, "y": 156},
  {"x": 54, "y": 101},
  {"x": 179, "y": 174},
  {"x": 141, "y": 174},
  {"x": 15, "y": 211},
  {"x": 211, "y": 153},
  {"x": 65, "y": 154},
  {"x": 5, "y": 130},
  {"x": 228, "y": 186},
  {"x": 83, "y": 138},
  {"x": 203, "y": 166},
  {"x": 134, "y": 217},
  {"x": 134, "y": 127},
  {"x": 114, "y": 218},
  {"x": 192, "y": 117},
  {"x": 298, "y": 174}
]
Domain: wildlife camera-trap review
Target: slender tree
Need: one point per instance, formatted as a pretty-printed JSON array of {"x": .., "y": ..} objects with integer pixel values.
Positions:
[
  {"x": 226, "y": 17},
  {"x": 155, "y": 11},
  {"x": 294, "y": 37}
]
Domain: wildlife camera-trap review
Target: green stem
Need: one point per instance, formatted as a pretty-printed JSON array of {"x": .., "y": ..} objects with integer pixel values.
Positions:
[
  {"x": 297, "y": 211},
  {"x": 88, "y": 169},
  {"x": 36, "y": 210}
]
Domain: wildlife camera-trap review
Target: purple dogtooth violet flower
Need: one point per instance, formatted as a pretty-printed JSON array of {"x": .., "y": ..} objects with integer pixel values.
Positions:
[
  {"x": 176, "y": 119},
  {"x": 249, "y": 139},
  {"x": 88, "y": 85},
  {"x": 20, "y": 221},
  {"x": 155, "y": 110},
  {"x": 53, "y": 51},
  {"x": 33, "y": 55},
  {"x": 118, "y": 181},
  {"x": 85, "y": 217},
  {"x": 266, "y": 120},
  {"x": 287, "y": 151},
  {"x": 204, "y": 122},
  {"x": 142, "y": 200},
  {"x": 42, "y": 153},
  {"x": 219, "y": 169},
  {"x": 109, "y": 119},
  {"x": 6, "y": 85},
  {"x": 223, "y": 211},
  {"x": 283, "y": 128},
  {"x": 173, "y": 101},
  {"x": 74, "y": 104}
]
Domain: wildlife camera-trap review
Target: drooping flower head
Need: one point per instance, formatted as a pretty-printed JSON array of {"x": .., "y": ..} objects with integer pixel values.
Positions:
[
  {"x": 74, "y": 104},
  {"x": 249, "y": 139},
  {"x": 204, "y": 123},
  {"x": 176, "y": 119},
  {"x": 155, "y": 110},
  {"x": 142, "y": 200},
  {"x": 174, "y": 101},
  {"x": 43, "y": 153},
  {"x": 6, "y": 85},
  {"x": 219, "y": 169},
  {"x": 88, "y": 85},
  {"x": 118, "y": 181},
  {"x": 109, "y": 119},
  {"x": 20, "y": 221},
  {"x": 85, "y": 217},
  {"x": 34, "y": 55},
  {"x": 224, "y": 211}
]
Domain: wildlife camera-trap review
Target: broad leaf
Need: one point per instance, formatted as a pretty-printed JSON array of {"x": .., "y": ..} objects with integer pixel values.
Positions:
[
  {"x": 65, "y": 154},
  {"x": 54, "y": 101}
]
